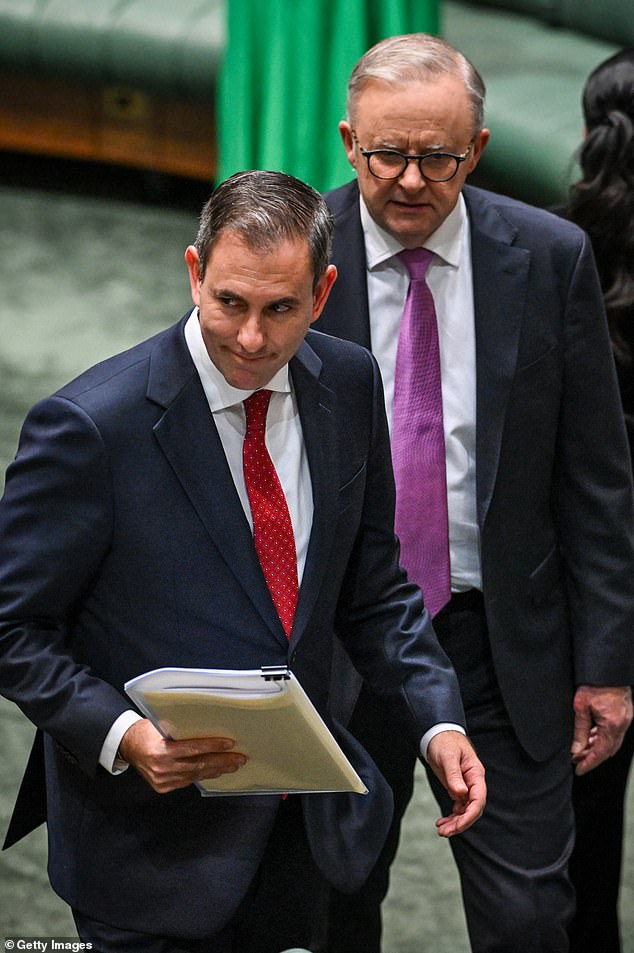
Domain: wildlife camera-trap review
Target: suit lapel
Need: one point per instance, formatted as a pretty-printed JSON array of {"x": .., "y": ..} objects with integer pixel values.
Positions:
[
  {"x": 189, "y": 439},
  {"x": 315, "y": 403},
  {"x": 500, "y": 277}
]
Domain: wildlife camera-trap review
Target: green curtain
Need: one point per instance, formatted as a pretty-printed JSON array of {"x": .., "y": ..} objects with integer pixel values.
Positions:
[{"x": 282, "y": 86}]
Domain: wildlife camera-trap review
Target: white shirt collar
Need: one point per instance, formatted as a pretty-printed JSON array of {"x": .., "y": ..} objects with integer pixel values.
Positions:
[
  {"x": 220, "y": 394},
  {"x": 446, "y": 241}
]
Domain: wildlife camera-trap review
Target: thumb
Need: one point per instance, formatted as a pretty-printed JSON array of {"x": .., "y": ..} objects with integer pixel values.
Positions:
[
  {"x": 582, "y": 729},
  {"x": 455, "y": 782},
  {"x": 445, "y": 762}
]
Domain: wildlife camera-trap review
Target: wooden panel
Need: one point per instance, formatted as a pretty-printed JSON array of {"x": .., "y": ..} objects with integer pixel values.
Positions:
[{"x": 112, "y": 124}]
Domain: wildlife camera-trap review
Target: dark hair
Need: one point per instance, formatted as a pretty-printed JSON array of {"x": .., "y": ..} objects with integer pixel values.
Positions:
[
  {"x": 415, "y": 58},
  {"x": 266, "y": 208},
  {"x": 602, "y": 202}
]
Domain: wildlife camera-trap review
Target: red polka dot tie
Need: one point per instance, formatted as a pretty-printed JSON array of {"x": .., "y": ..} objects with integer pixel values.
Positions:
[{"x": 272, "y": 528}]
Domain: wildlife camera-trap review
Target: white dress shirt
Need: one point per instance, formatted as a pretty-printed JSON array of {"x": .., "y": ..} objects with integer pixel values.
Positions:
[
  {"x": 450, "y": 281},
  {"x": 284, "y": 439}
]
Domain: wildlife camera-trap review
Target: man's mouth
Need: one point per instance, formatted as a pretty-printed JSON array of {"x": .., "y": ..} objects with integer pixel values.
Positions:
[
  {"x": 412, "y": 205},
  {"x": 250, "y": 357}
]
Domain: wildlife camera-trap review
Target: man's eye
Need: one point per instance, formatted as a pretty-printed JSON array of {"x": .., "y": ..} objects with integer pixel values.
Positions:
[
  {"x": 227, "y": 302},
  {"x": 389, "y": 156},
  {"x": 280, "y": 308}
]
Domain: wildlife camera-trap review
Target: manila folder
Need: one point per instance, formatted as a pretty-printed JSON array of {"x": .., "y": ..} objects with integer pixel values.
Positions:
[{"x": 268, "y": 715}]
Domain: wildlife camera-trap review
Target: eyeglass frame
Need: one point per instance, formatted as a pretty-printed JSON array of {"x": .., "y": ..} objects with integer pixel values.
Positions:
[{"x": 407, "y": 158}]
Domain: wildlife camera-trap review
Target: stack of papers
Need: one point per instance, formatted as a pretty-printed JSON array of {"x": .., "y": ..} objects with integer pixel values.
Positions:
[{"x": 266, "y": 712}]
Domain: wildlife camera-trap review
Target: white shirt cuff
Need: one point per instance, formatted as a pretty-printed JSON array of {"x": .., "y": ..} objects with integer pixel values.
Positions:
[
  {"x": 435, "y": 730},
  {"x": 108, "y": 757}
]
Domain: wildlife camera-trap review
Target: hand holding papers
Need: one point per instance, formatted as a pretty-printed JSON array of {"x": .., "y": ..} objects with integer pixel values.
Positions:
[{"x": 288, "y": 747}]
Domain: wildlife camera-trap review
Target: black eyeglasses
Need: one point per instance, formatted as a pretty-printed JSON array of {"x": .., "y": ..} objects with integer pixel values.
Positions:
[{"x": 433, "y": 166}]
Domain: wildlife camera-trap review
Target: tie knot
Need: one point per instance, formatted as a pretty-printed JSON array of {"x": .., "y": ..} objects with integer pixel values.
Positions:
[
  {"x": 417, "y": 261},
  {"x": 256, "y": 408}
]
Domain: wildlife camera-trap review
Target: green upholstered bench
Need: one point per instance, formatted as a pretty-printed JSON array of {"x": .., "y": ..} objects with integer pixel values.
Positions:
[
  {"x": 535, "y": 56},
  {"x": 129, "y": 81}
]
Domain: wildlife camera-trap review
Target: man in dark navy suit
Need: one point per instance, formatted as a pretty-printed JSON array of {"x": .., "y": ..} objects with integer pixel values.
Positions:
[
  {"x": 538, "y": 614},
  {"x": 127, "y": 544}
]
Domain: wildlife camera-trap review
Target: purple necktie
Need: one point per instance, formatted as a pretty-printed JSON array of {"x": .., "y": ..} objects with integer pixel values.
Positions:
[{"x": 418, "y": 441}]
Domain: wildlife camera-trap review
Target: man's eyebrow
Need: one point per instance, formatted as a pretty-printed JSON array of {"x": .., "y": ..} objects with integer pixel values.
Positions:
[
  {"x": 432, "y": 147},
  {"x": 289, "y": 300},
  {"x": 227, "y": 293}
]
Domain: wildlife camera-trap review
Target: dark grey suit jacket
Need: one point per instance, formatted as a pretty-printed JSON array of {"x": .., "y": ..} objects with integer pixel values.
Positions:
[
  {"x": 554, "y": 485},
  {"x": 124, "y": 547}
]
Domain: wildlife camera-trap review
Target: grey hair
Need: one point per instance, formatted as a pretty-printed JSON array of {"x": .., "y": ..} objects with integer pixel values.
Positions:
[
  {"x": 265, "y": 209},
  {"x": 415, "y": 57}
]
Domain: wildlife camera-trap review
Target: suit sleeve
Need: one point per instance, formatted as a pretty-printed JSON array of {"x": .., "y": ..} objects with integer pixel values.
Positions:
[
  {"x": 594, "y": 491},
  {"x": 55, "y": 525},
  {"x": 381, "y": 618}
]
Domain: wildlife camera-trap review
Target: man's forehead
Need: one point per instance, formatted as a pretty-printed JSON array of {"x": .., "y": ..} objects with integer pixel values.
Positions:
[
  {"x": 236, "y": 258},
  {"x": 432, "y": 113},
  {"x": 413, "y": 94},
  {"x": 232, "y": 238}
]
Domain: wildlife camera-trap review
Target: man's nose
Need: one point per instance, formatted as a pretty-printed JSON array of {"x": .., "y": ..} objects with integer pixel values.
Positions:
[
  {"x": 412, "y": 178},
  {"x": 251, "y": 333}
]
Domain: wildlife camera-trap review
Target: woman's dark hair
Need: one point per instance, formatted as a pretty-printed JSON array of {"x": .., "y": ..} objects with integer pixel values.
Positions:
[{"x": 602, "y": 202}]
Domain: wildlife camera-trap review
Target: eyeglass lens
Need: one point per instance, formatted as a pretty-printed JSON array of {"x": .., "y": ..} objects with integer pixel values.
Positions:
[{"x": 436, "y": 167}]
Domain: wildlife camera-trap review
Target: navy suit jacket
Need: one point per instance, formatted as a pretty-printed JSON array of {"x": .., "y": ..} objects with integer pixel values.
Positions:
[
  {"x": 553, "y": 475},
  {"x": 125, "y": 548}
]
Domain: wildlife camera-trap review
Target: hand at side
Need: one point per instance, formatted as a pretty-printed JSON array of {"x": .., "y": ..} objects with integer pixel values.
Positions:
[
  {"x": 454, "y": 762},
  {"x": 602, "y": 716}
]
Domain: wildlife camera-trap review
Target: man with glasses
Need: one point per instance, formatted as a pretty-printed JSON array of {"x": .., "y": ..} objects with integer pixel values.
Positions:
[{"x": 514, "y": 498}]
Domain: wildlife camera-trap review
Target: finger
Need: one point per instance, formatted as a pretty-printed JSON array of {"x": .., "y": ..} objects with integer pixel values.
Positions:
[
  {"x": 456, "y": 823},
  {"x": 207, "y": 765},
  {"x": 165, "y": 775},
  {"x": 587, "y": 763},
  {"x": 193, "y": 748},
  {"x": 584, "y": 752},
  {"x": 218, "y": 765},
  {"x": 460, "y": 820},
  {"x": 465, "y": 812},
  {"x": 603, "y": 745}
]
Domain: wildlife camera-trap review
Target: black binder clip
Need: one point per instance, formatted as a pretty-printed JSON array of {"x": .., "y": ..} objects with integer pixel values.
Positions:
[{"x": 275, "y": 673}]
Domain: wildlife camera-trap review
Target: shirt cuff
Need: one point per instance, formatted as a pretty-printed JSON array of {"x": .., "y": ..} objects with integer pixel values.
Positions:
[
  {"x": 108, "y": 758},
  {"x": 435, "y": 730}
]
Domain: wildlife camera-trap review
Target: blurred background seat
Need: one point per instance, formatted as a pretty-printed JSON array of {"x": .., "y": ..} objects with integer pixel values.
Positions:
[{"x": 121, "y": 81}]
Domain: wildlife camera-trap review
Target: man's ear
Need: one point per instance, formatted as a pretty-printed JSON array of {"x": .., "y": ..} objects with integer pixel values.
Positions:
[
  {"x": 479, "y": 145},
  {"x": 320, "y": 295},
  {"x": 345, "y": 131},
  {"x": 193, "y": 269}
]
